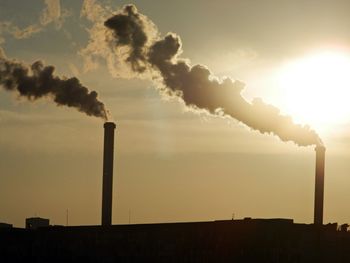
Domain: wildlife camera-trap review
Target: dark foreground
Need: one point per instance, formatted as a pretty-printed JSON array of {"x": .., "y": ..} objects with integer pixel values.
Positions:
[{"x": 252, "y": 240}]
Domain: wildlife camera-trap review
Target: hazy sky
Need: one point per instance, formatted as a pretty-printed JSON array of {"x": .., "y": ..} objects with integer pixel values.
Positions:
[{"x": 171, "y": 164}]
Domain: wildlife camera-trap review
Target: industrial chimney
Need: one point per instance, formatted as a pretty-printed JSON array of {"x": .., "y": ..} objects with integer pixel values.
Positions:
[
  {"x": 107, "y": 187},
  {"x": 319, "y": 185}
]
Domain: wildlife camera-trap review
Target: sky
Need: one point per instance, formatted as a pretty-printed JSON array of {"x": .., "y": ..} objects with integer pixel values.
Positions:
[{"x": 172, "y": 163}]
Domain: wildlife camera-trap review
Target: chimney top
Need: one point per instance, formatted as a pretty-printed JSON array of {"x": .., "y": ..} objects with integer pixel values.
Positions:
[
  {"x": 320, "y": 148},
  {"x": 109, "y": 124}
]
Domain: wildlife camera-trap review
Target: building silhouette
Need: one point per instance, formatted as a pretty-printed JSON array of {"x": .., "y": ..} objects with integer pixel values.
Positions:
[
  {"x": 36, "y": 222},
  {"x": 246, "y": 240}
]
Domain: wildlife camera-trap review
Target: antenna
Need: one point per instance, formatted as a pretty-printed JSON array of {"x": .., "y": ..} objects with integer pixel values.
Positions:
[{"x": 67, "y": 217}]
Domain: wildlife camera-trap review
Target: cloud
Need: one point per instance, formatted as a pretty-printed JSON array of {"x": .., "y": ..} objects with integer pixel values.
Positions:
[
  {"x": 7, "y": 27},
  {"x": 97, "y": 46},
  {"x": 52, "y": 13},
  {"x": 2, "y": 53},
  {"x": 92, "y": 11},
  {"x": 74, "y": 69}
]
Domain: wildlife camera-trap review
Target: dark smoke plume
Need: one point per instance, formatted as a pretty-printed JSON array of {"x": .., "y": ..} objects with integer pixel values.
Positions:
[
  {"x": 129, "y": 29},
  {"x": 195, "y": 84},
  {"x": 39, "y": 81}
]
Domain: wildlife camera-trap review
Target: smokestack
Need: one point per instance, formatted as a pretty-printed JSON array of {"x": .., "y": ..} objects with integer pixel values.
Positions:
[
  {"x": 108, "y": 158},
  {"x": 319, "y": 184}
]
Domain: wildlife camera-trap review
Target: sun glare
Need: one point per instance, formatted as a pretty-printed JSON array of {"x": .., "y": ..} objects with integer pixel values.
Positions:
[{"x": 316, "y": 89}]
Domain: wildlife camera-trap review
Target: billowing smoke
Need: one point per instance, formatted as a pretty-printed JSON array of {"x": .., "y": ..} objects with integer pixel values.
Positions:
[
  {"x": 39, "y": 81},
  {"x": 194, "y": 84},
  {"x": 129, "y": 31}
]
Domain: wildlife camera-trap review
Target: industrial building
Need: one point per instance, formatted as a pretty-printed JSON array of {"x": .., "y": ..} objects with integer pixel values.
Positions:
[
  {"x": 246, "y": 240},
  {"x": 36, "y": 222},
  {"x": 5, "y": 225}
]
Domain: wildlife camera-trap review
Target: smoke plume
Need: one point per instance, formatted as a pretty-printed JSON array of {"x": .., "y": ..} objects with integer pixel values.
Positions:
[
  {"x": 195, "y": 85},
  {"x": 135, "y": 31},
  {"x": 39, "y": 81}
]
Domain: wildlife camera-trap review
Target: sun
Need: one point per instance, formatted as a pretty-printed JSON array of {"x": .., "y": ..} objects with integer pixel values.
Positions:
[{"x": 316, "y": 89}]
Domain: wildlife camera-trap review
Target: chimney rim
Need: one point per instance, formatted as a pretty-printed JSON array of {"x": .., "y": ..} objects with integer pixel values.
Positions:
[
  {"x": 109, "y": 124},
  {"x": 320, "y": 148}
]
